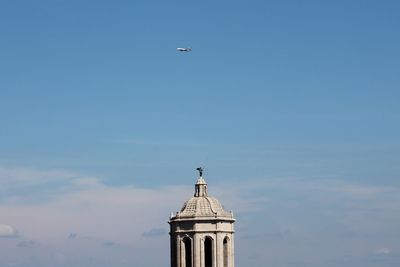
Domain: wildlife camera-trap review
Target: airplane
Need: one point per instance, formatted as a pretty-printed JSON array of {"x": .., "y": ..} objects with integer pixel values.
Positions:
[{"x": 184, "y": 49}]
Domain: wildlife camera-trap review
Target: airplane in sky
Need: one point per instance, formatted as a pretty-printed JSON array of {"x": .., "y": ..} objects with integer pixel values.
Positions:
[{"x": 184, "y": 49}]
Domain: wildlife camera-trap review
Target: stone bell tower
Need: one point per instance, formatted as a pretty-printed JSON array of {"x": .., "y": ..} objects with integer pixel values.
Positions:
[{"x": 202, "y": 232}]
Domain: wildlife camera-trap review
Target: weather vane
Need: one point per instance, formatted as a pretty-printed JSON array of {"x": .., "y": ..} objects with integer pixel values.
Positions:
[{"x": 200, "y": 169}]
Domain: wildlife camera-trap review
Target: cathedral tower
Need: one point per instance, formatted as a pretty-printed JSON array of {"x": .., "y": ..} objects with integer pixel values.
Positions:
[{"x": 202, "y": 232}]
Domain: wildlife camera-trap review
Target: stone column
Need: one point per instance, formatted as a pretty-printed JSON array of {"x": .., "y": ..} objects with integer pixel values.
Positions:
[
  {"x": 218, "y": 250},
  {"x": 202, "y": 263},
  {"x": 231, "y": 251},
  {"x": 178, "y": 252},
  {"x": 182, "y": 262},
  {"x": 196, "y": 250}
]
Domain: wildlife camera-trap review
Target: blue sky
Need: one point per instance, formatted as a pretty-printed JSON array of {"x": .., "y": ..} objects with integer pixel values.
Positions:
[{"x": 289, "y": 105}]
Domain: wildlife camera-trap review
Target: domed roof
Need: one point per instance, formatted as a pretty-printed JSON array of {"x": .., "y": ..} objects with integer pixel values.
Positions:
[{"x": 202, "y": 205}]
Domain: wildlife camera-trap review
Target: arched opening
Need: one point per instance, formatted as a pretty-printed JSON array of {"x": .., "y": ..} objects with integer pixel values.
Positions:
[
  {"x": 173, "y": 250},
  {"x": 208, "y": 249},
  {"x": 226, "y": 251},
  {"x": 188, "y": 251}
]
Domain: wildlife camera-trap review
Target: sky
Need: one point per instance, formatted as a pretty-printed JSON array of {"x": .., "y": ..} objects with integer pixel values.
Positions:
[{"x": 291, "y": 107}]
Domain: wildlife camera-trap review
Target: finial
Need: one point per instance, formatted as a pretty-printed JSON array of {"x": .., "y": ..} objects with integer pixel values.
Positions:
[
  {"x": 201, "y": 185},
  {"x": 200, "y": 169}
]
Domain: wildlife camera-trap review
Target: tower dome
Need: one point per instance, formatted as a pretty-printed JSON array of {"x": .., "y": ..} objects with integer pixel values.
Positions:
[{"x": 202, "y": 205}]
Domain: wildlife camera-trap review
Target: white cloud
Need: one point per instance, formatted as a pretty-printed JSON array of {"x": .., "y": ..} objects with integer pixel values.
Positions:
[
  {"x": 27, "y": 185},
  {"x": 383, "y": 251},
  {"x": 7, "y": 231},
  {"x": 96, "y": 213},
  {"x": 358, "y": 190},
  {"x": 84, "y": 205},
  {"x": 10, "y": 177},
  {"x": 154, "y": 232},
  {"x": 25, "y": 243}
]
